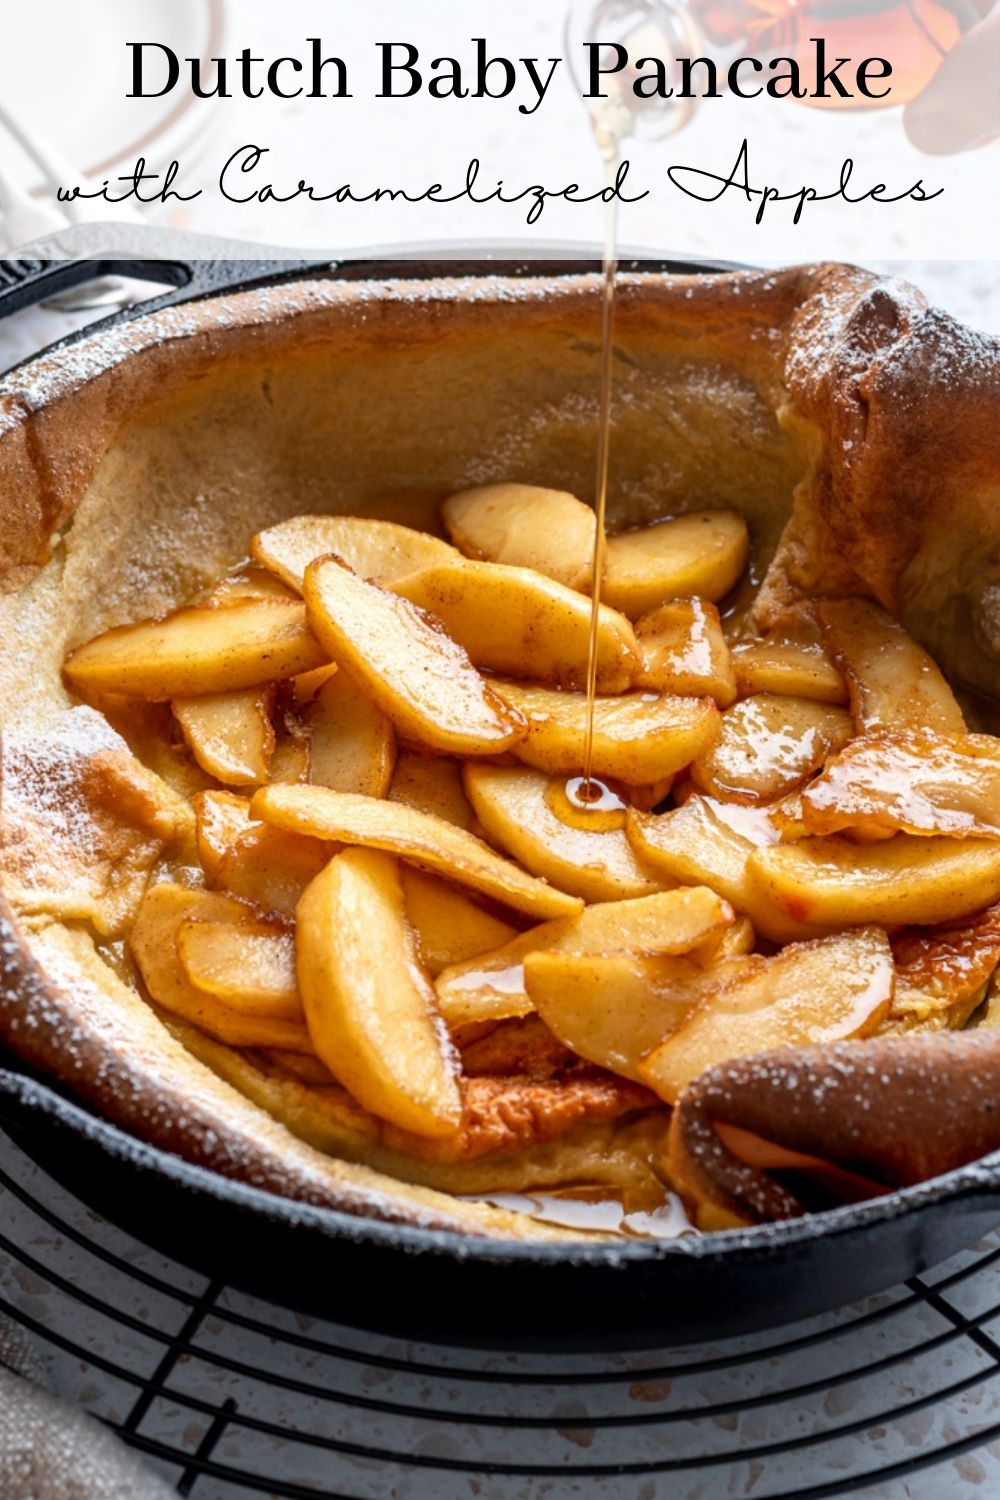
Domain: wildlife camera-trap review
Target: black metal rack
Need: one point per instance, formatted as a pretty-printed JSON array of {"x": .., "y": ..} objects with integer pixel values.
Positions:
[{"x": 233, "y": 1397}]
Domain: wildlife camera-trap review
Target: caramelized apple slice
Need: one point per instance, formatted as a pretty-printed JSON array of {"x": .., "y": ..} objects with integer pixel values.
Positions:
[
  {"x": 406, "y": 664},
  {"x": 368, "y": 1003},
  {"x": 709, "y": 843},
  {"x": 491, "y": 986},
  {"x": 791, "y": 668},
  {"x": 920, "y": 783},
  {"x": 449, "y": 925},
  {"x": 530, "y": 817},
  {"x": 526, "y": 527},
  {"x": 230, "y": 735},
  {"x": 639, "y": 738},
  {"x": 684, "y": 651},
  {"x": 420, "y": 838},
  {"x": 907, "y": 879},
  {"x": 248, "y": 966},
  {"x": 203, "y": 649},
  {"x": 352, "y": 747},
  {"x": 769, "y": 746},
  {"x": 307, "y": 684},
  {"x": 612, "y": 1008},
  {"x": 380, "y": 550},
  {"x": 292, "y": 755},
  {"x": 153, "y": 941},
  {"x": 519, "y": 622},
  {"x": 250, "y": 583},
  {"x": 259, "y": 863},
  {"x": 892, "y": 681},
  {"x": 823, "y": 991},
  {"x": 432, "y": 784},
  {"x": 701, "y": 555}
]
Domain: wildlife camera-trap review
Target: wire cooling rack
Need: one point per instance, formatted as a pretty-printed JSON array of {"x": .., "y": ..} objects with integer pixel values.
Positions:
[{"x": 896, "y": 1398}]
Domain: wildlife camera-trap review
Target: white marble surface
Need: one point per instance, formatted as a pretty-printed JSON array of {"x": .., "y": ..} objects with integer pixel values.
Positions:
[{"x": 853, "y": 1409}]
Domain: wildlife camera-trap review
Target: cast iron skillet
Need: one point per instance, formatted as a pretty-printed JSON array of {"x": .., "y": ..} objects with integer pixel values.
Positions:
[{"x": 440, "y": 1287}]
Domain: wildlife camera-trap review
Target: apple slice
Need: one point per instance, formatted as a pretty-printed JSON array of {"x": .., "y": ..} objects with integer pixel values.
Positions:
[
  {"x": 822, "y": 991},
  {"x": 450, "y": 927},
  {"x": 248, "y": 966},
  {"x": 153, "y": 942},
  {"x": 525, "y": 526},
  {"x": 369, "y": 1005},
  {"x": 517, "y": 621},
  {"x": 906, "y": 879},
  {"x": 613, "y": 1008},
  {"x": 406, "y": 664},
  {"x": 769, "y": 746},
  {"x": 919, "y": 783},
  {"x": 684, "y": 651},
  {"x": 380, "y": 550},
  {"x": 420, "y": 838},
  {"x": 250, "y": 583},
  {"x": 491, "y": 986},
  {"x": 202, "y": 649},
  {"x": 352, "y": 747},
  {"x": 432, "y": 784},
  {"x": 702, "y": 554},
  {"x": 529, "y": 816},
  {"x": 230, "y": 735},
  {"x": 789, "y": 667},
  {"x": 252, "y": 860},
  {"x": 307, "y": 684},
  {"x": 639, "y": 738},
  {"x": 705, "y": 842},
  {"x": 892, "y": 681}
]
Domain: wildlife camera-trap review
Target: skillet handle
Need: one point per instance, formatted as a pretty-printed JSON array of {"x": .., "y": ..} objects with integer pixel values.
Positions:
[{"x": 26, "y": 283}]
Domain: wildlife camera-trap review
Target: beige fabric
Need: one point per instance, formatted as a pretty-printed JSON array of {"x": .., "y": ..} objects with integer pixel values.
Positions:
[{"x": 50, "y": 1450}]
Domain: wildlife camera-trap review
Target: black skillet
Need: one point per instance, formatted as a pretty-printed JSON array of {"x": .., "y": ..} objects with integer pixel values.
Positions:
[{"x": 439, "y": 1287}]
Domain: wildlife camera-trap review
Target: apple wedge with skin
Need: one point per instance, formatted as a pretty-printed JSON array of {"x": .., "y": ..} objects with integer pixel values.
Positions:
[
  {"x": 520, "y": 623},
  {"x": 528, "y": 814},
  {"x": 639, "y": 738},
  {"x": 250, "y": 967},
  {"x": 230, "y": 735},
  {"x": 768, "y": 746},
  {"x": 525, "y": 526},
  {"x": 684, "y": 651},
  {"x": 905, "y": 880},
  {"x": 491, "y": 986},
  {"x": 914, "y": 783},
  {"x": 201, "y": 649},
  {"x": 352, "y": 746},
  {"x": 893, "y": 683},
  {"x": 165, "y": 909},
  {"x": 700, "y": 555},
  {"x": 369, "y": 1005},
  {"x": 380, "y": 550},
  {"x": 822, "y": 991},
  {"x": 407, "y": 665},
  {"x": 418, "y": 837}
]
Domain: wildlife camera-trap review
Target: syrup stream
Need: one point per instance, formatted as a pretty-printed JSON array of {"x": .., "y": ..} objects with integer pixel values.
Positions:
[{"x": 608, "y": 132}]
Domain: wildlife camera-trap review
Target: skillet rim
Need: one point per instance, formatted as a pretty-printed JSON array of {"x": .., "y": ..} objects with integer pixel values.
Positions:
[{"x": 204, "y": 282}]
